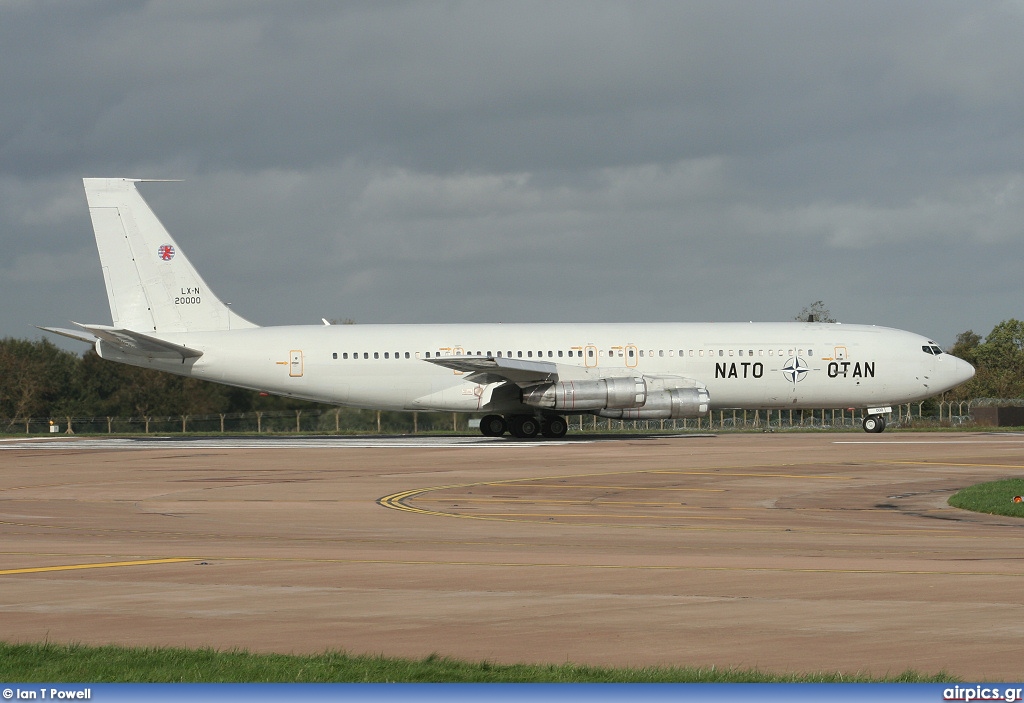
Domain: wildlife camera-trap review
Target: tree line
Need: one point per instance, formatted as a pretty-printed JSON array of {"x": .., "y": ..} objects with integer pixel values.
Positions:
[{"x": 40, "y": 380}]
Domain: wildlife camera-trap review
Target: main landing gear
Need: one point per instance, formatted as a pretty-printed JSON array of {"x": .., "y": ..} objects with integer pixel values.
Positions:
[
  {"x": 874, "y": 423},
  {"x": 524, "y": 426}
]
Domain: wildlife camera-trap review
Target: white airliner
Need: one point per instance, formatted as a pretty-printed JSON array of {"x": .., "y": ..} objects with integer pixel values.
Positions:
[{"x": 524, "y": 378}]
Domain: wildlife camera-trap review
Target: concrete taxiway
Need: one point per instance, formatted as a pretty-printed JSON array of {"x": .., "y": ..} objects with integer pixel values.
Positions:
[{"x": 785, "y": 552}]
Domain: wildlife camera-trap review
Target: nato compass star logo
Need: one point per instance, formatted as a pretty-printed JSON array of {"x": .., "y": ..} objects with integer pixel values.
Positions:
[
  {"x": 165, "y": 252},
  {"x": 795, "y": 369}
]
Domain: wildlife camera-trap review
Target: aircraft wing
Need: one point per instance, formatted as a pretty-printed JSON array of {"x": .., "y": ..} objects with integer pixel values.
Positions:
[
  {"x": 138, "y": 343},
  {"x": 495, "y": 369}
]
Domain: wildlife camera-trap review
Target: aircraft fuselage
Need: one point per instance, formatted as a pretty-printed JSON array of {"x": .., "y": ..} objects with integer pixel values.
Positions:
[{"x": 742, "y": 365}]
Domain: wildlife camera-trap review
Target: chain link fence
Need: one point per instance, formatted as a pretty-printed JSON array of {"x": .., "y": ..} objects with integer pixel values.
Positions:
[{"x": 349, "y": 421}]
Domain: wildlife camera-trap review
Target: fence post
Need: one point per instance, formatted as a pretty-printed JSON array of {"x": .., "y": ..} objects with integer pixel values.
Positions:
[
  {"x": 221, "y": 423},
  {"x": 259, "y": 421},
  {"x": 415, "y": 422},
  {"x": 298, "y": 414}
]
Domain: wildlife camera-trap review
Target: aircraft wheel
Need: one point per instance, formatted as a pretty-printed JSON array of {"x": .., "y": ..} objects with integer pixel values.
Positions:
[
  {"x": 493, "y": 426},
  {"x": 874, "y": 424},
  {"x": 524, "y": 426},
  {"x": 554, "y": 426}
]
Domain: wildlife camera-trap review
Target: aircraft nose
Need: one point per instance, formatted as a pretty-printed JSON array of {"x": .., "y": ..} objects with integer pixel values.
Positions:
[{"x": 961, "y": 371}]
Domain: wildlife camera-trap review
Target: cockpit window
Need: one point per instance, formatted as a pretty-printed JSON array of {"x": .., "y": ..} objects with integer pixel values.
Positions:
[
  {"x": 927, "y": 349},
  {"x": 931, "y": 349},
  {"x": 936, "y": 351}
]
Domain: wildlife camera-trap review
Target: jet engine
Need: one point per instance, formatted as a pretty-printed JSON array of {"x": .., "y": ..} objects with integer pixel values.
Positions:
[
  {"x": 617, "y": 392},
  {"x": 666, "y": 404},
  {"x": 624, "y": 397}
]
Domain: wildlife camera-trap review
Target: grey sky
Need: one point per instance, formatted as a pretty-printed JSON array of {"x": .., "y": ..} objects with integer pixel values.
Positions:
[{"x": 527, "y": 161}]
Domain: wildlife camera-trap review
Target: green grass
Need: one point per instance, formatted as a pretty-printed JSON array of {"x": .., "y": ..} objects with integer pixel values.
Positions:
[
  {"x": 58, "y": 663},
  {"x": 995, "y": 498}
]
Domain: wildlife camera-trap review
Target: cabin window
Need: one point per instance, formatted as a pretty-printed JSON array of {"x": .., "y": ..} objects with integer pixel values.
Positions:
[
  {"x": 385, "y": 355},
  {"x": 731, "y": 352},
  {"x": 641, "y": 352},
  {"x": 519, "y": 354},
  {"x": 344, "y": 355},
  {"x": 335, "y": 355},
  {"x": 428, "y": 355},
  {"x": 559, "y": 353},
  {"x": 376, "y": 355},
  {"x": 407, "y": 355},
  {"x": 661, "y": 352}
]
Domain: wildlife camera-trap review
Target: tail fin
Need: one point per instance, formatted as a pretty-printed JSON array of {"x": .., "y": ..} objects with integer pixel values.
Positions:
[{"x": 151, "y": 286}]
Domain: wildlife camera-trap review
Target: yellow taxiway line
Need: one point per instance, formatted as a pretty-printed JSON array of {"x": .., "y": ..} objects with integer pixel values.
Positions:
[{"x": 99, "y": 565}]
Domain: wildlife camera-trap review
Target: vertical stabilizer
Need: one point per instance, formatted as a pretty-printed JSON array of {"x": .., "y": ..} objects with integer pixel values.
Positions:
[{"x": 151, "y": 286}]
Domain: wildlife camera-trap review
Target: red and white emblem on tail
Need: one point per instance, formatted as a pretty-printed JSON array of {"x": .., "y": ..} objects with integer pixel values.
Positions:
[{"x": 165, "y": 252}]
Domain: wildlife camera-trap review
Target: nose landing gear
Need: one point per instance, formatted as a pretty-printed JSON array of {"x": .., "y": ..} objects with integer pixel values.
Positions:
[{"x": 874, "y": 423}]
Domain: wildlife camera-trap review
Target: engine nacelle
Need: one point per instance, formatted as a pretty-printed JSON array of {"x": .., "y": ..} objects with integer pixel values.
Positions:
[
  {"x": 667, "y": 404},
  {"x": 617, "y": 392}
]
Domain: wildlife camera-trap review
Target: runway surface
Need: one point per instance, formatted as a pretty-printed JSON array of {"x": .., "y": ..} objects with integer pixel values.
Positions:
[{"x": 785, "y": 552}]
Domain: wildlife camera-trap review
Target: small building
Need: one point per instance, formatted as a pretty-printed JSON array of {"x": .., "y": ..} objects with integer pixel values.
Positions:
[{"x": 999, "y": 416}]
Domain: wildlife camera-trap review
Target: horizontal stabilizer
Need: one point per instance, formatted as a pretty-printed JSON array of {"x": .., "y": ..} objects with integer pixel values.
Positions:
[
  {"x": 87, "y": 337},
  {"x": 131, "y": 342},
  {"x": 494, "y": 369}
]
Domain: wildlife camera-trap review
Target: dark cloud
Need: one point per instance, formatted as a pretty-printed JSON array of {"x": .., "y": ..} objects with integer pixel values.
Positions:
[{"x": 407, "y": 161}]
